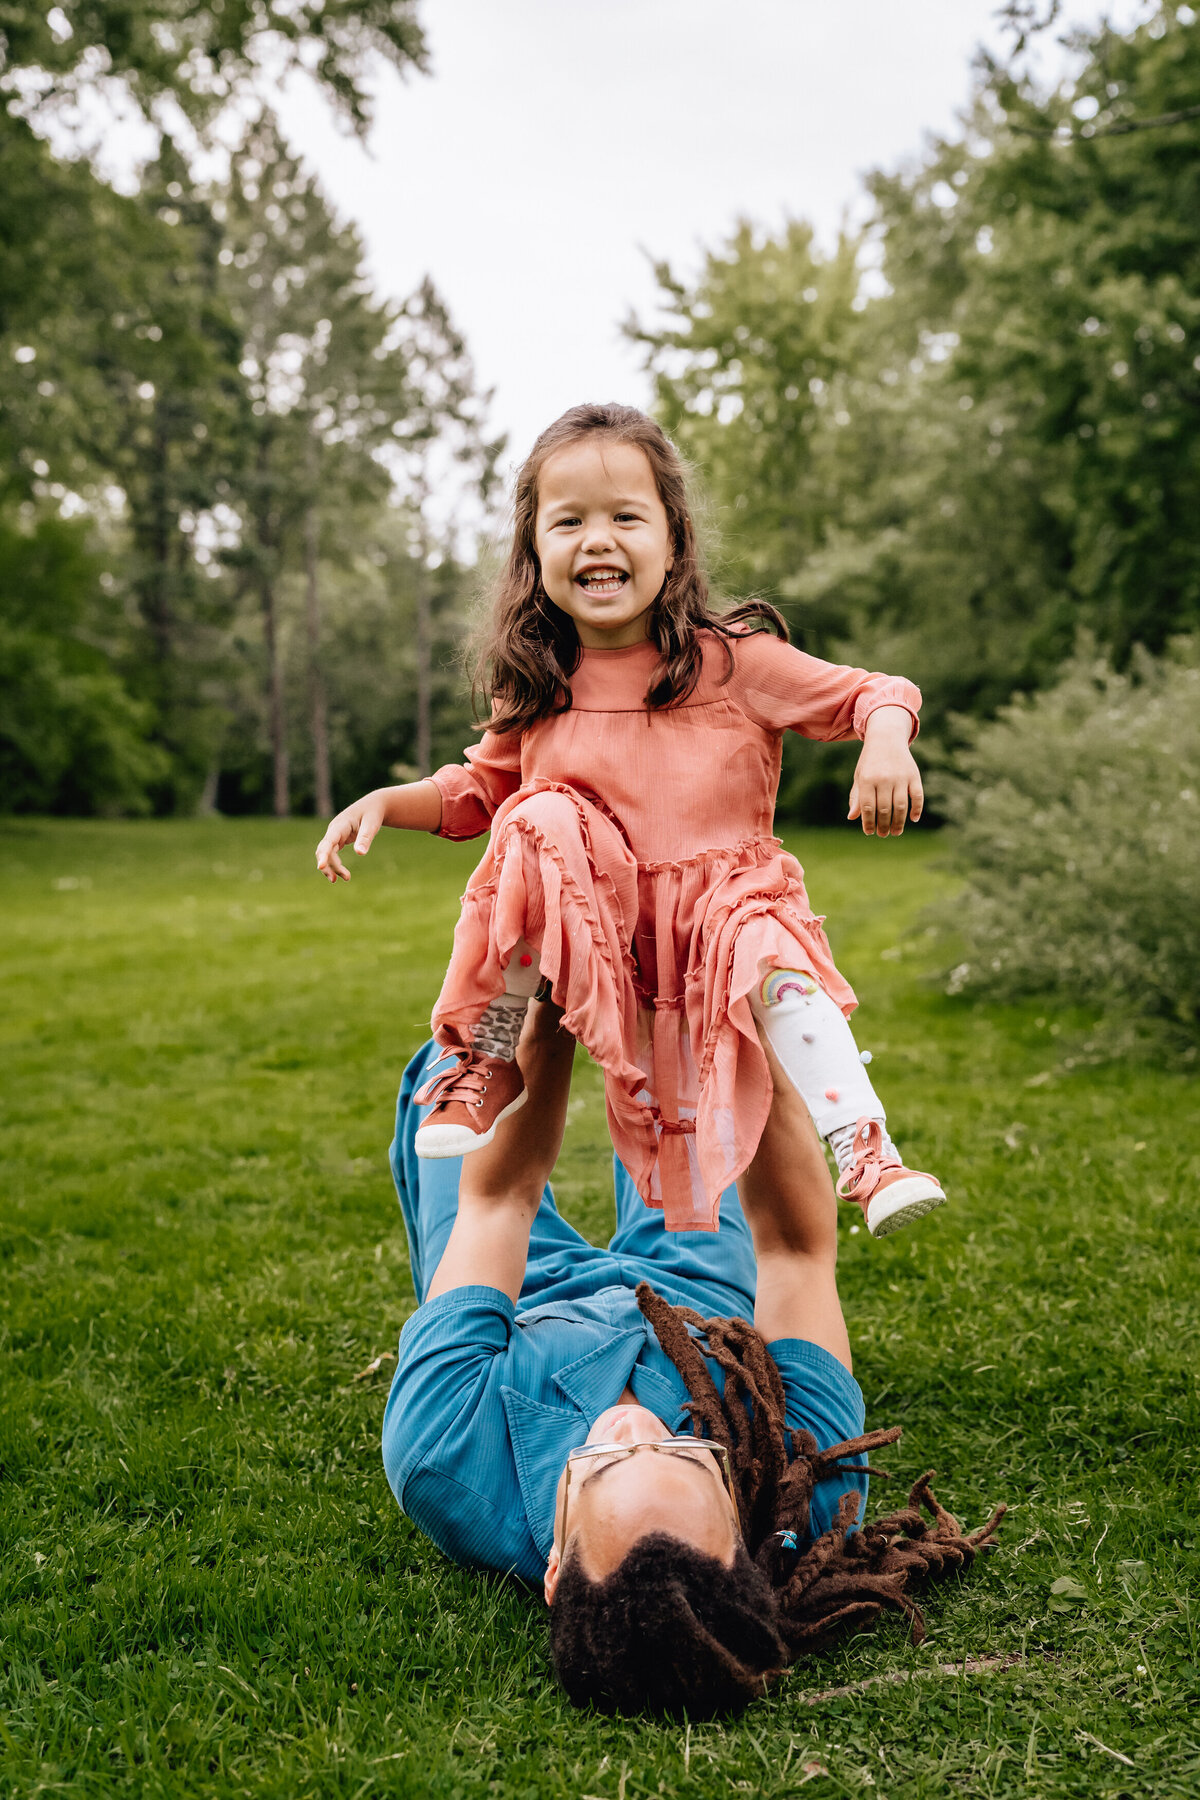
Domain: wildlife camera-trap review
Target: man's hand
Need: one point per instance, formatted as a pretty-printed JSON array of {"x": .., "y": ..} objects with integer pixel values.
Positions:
[{"x": 887, "y": 787}]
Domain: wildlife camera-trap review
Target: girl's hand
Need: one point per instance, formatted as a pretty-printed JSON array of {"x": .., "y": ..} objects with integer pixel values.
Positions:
[
  {"x": 887, "y": 783},
  {"x": 360, "y": 822}
]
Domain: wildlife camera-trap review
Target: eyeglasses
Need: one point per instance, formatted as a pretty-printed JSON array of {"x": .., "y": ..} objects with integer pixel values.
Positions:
[{"x": 696, "y": 1450}]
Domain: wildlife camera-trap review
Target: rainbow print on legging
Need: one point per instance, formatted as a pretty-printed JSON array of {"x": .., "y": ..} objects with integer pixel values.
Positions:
[{"x": 779, "y": 982}]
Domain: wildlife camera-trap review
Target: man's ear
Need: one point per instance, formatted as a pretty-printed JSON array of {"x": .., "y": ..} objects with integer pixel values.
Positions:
[{"x": 553, "y": 1569}]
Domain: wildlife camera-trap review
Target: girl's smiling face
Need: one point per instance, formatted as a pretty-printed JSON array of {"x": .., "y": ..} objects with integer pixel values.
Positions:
[{"x": 602, "y": 539}]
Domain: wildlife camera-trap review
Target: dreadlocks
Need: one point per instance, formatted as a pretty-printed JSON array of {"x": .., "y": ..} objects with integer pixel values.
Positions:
[{"x": 671, "y": 1629}]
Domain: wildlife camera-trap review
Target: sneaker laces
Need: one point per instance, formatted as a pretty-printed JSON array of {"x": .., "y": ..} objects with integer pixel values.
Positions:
[
  {"x": 862, "y": 1178},
  {"x": 466, "y": 1081}
]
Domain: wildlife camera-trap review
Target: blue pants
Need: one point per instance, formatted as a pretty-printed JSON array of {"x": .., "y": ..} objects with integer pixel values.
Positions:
[{"x": 712, "y": 1271}]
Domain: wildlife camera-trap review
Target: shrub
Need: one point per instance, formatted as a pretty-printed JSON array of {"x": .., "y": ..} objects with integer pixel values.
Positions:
[{"x": 1077, "y": 826}]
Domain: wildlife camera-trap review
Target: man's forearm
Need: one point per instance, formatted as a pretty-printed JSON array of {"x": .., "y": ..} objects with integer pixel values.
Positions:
[
  {"x": 501, "y": 1187},
  {"x": 488, "y": 1246},
  {"x": 788, "y": 1199}
]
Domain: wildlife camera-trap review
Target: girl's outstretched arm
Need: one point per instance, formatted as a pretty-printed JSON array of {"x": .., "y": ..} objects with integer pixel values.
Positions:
[
  {"x": 782, "y": 689},
  {"x": 416, "y": 806},
  {"x": 887, "y": 787}
]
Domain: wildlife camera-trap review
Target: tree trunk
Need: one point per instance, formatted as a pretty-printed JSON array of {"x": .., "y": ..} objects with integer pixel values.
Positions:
[
  {"x": 424, "y": 675},
  {"x": 158, "y": 583},
  {"x": 317, "y": 707},
  {"x": 206, "y": 805},
  {"x": 279, "y": 755}
]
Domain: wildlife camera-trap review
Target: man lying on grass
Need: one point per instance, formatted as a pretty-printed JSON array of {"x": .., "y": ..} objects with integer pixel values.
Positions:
[{"x": 684, "y": 1486}]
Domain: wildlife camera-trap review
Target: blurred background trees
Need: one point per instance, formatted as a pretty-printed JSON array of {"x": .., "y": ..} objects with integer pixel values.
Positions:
[
  {"x": 229, "y": 569},
  {"x": 974, "y": 428},
  {"x": 221, "y": 579}
]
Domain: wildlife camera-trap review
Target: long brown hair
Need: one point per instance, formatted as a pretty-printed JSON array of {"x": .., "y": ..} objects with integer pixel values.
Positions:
[
  {"x": 530, "y": 648},
  {"x": 673, "y": 1630}
]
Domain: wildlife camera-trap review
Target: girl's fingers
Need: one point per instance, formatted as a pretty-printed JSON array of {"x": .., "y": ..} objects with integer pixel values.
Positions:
[
  {"x": 883, "y": 812},
  {"x": 365, "y": 838},
  {"x": 854, "y": 806},
  {"x": 899, "y": 810},
  {"x": 916, "y": 794},
  {"x": 329, "y": 863}
]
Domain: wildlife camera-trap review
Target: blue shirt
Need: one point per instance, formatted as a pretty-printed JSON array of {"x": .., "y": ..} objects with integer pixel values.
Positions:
[
  {"x": 488, "y": 1397},
  {"x": 486, "y": 1402}
]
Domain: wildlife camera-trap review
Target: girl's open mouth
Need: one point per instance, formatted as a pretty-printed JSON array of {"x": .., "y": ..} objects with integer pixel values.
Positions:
[{"x": 602, "y": 581}]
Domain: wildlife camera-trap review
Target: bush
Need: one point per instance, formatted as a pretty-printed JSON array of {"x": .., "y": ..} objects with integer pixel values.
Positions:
[
  {"x": 72, "y": 737},
  {"x": 1077, "y": 816}
]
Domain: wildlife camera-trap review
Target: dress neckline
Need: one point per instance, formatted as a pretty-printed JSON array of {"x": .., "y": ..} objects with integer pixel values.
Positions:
[{"x": 616, "y": 649}]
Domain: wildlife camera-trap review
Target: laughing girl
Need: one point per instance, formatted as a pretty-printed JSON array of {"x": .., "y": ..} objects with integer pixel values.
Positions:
[{"x": 627, "y": 781}]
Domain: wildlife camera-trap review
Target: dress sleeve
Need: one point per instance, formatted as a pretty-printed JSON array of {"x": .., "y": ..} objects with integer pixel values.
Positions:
[
  {"x": 782, "y": 689},
  {"x": 471, "y": 795},
  {"x": 822, "y": 1397}
]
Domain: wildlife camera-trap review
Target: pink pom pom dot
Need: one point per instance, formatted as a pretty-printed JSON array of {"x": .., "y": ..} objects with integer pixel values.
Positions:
[
  {"x": 831, "y": 1093},
  {"x": 526, "y": 960}
]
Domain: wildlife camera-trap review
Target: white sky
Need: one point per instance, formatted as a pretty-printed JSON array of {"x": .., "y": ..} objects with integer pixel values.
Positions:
[{"x": 559, "y": 141}]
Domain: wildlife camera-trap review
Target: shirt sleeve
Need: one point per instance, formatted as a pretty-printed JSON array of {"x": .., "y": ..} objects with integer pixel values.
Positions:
[
  {"x": 444, "y": 1428},
  {"x": 782, "y": 689},
  {"x": 471, "y": 794},
  {"x": 824, "y": 1398}
]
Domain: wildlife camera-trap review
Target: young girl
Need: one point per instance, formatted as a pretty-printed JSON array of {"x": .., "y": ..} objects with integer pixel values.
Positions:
[{"x": 628, "y": 781}]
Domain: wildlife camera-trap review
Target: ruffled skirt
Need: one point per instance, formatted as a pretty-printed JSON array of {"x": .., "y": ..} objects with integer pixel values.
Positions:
[{"x": 652, "y": 964}]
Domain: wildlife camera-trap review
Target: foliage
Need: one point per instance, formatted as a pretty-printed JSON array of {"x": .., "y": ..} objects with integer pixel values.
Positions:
[
  {"x": 72, "y": 738},
  {"x": 201, "y": 56},
  {"x": 1078, "y": 829},
  {"x": 207, "y": 1588},
  {"x": 200, "y": 378},
  {"x": 203, "y": 376},
  {"x": 346, "y": 396},
  {"x": 960, "y": 436}
]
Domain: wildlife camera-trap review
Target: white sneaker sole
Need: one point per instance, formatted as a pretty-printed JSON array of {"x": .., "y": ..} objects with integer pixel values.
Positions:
[
  {"x": 433, "y": 1141},
  {"x": 902, "y": 1204}
]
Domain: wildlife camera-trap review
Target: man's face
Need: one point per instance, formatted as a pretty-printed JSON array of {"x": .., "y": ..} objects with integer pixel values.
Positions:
[{"x": 616, "y": 1501}]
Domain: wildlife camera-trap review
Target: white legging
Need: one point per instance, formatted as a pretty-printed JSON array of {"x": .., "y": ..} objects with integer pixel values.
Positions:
[{"x": 816, "y": 1049}]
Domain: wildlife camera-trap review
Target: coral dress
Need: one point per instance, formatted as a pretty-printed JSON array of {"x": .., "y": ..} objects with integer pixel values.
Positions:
[{"x": 634, "y": 849}]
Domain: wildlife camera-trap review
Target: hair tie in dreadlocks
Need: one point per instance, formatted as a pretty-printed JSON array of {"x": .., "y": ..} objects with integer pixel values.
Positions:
[
  {"x": 671, "y": 1629},
  {"x": 847, "y": 1577}
]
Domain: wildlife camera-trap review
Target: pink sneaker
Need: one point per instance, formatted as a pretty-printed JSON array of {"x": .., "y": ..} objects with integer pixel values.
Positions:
[
  {"x": 469, "y": 1101},
  {"x": 890, "y": 1195}
]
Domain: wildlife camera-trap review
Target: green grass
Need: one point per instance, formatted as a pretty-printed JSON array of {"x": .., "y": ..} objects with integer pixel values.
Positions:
[{"x": 205, "y": 1586}]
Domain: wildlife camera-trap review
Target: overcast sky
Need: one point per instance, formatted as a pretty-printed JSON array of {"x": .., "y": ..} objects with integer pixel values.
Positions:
[{"x": 557, "y": 142}]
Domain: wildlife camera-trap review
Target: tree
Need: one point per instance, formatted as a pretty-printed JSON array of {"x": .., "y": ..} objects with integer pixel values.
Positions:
[
  {"x": 993, "y": 438},
  {"x": 199, "y": 56},
  {"x": 72, "y": 738},
  {"x": 348, "y": 398}
]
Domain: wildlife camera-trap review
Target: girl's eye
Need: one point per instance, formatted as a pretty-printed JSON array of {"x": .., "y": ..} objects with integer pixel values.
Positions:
[{"x": 627, "y": 518}]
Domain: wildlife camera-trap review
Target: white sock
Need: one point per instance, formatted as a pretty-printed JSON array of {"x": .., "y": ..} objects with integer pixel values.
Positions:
[
  {"x": 498, "y": 1032},
  {"x": 841, "y": 1142},
  {"x": 816, "y": 1048}
]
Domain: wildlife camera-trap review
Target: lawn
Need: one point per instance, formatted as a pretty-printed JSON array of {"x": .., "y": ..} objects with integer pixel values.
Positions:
[{"x": 205, "y": 1586}]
